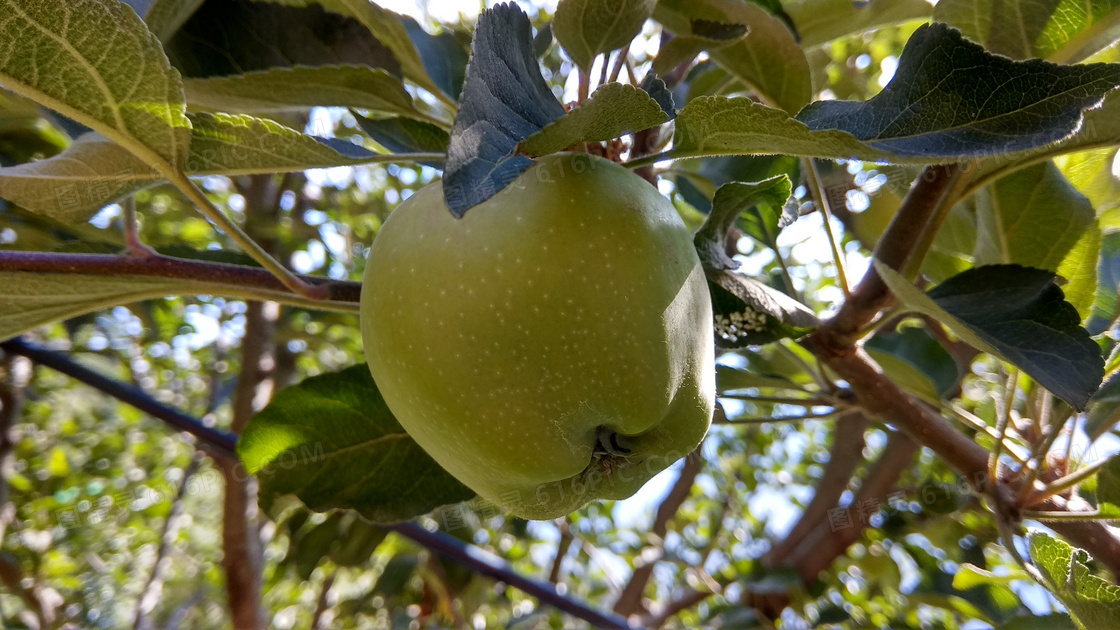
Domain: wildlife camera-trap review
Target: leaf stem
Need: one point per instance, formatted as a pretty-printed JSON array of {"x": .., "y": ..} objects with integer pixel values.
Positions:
[
  {"x": 1065, "y": 483},
  {"x": 1055, "y": 516},
  {"x": 238, "y": 236},
  {"x": 820, "y": 195},
  {"x": 1003, "y": 413},
  {"x": 646, "y": 160}
]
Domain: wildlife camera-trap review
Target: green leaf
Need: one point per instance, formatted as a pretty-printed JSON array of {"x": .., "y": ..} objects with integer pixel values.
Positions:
[
  {"x": 164, "y": 17},
  {"x": 402, "y": 135},
  {"x": 387, "y": 27},
  {"x": 1093, "y": 602},
  {"x": 768, "y": 59},
  {"x": 970, "y": 576},
  {"x": 1017, "y": 314},
  {"x": 820, "y": 21},
  {"x": 613, "y": 110},
  {"x": 444, "y": 56},
  {"x": 731, "y": 379},
  {"x": 302, "y": 87},
  {"x": 94, "y": 171},
  {"x": 1079, "y": 270},
  {"x": 586, "y": 28},
  {"x": 1066, "y": 31},
  {"x": 916, "y": 360},
  {"x": 96, "y": 63},
  {"x": 749, "y": 313},
  {"x": 332, "y": 442},
  {"x": 1108, "y": 482},
  {"x": 1103, "y": 410},
  {"x": 1091, "y": 174},
  {"x": 1032, "y": 217},
  {"x": 760, "y": 205},
  {"x": 953, "y": 99},
  {"x": 718, "y": 125}
]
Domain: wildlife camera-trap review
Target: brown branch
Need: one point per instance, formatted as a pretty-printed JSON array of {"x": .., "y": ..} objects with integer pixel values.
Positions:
[
  {"x": 894, "y": 249},
  {"x": 150, "y": 595},
  {"x": 159, "y": 266},
  {"x": 630, "y": 601},
  {"x": 826, "y": 543},
  {"x": 845, "y": 456},
  {"x": 834, "y": 344},
  {"x": 562, "y": 547}
]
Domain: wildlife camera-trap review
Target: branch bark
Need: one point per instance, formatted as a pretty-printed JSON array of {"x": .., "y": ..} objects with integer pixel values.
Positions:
[{"x": 844, "y": 457}]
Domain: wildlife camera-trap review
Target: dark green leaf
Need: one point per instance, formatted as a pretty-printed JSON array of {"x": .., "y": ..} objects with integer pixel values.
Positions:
[
  {"x": 659, "y": 92},
  {"x": 697, "y": 180},
  {"x": 1018, "y": 314},
  {"x": 1108, "y": 482},
  {"x": 1107, "y": 306},
  {"x": 444, "y": 58},
  {"x": 303, "y": 87},
  {"x": 613, "y": 110},
  {"x": 505, "y": 100},
  {"x": 1093, "y": 602},
  {"x": 164, "y": 17},
  {"x": 759, "y": 203},
  {"x": 236, "y": 36},
  {"x": 916, "y": 360},
  {"x": 586, "y": 28},
  {"x": 952, "y": 99},
  {"x": 749, "y": 313},
  {"x": 333, "y": 443},
  {"x": 404, "y": 135}
]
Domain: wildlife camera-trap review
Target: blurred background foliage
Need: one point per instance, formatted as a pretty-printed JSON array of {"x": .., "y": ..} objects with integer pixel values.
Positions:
[{"x": 92, "y": 482}]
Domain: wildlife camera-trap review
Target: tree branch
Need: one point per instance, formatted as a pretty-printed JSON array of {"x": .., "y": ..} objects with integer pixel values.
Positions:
[
  {"x": 159, "y": 266},
  {"x": 630, "y": 600},
  {"x": 149, "y": 596},
  {"x": 845, "y": 456}
]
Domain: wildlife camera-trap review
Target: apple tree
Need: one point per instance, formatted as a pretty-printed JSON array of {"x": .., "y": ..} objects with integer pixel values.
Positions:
[{"x": 316, "y": 314}]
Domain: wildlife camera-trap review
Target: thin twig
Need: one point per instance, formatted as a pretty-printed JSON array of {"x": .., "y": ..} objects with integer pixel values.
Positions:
[
  {"x": 1059, "y": 486},
  {"x": 134, "y": 246},
  {"x": 1004, "y": 404},
  {"x": 619, "y": 61}
]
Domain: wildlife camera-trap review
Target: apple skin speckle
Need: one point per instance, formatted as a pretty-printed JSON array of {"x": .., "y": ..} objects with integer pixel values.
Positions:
[{"x": 513, "y": 343}]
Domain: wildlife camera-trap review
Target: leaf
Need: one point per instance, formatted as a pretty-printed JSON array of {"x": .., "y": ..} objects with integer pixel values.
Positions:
[
  {"x": 1106, "y": 307},
  {"x": 698, "y": 180},
  {"x": 302, "y": 87},
  {"x": 388, "y": 28},
  {"x": 916, "y": 360},
  {"x": 332, "y": 442},
  {"x": 1065, "y": 31},
  {"x": 1103, "y": 411},
  {"x": 613, "y": 110},
  {"x": 1017, "y": 314},
  {"x": 1108, "y": 482},
  {"x": 236, "y": 36},
  {"x": 1032, "y": 217},
  {"x": 94, "y": 171},
  {"x": 970, "y": 576},
  {"x": 96, "y": 63},
  {"x": 769, "y": 59},
  {"x": 820, "y": 21},
  {"x": 653, "y": 85},
  {"x": 952, "y": 99},
  {"x": 760, "y": 205},
  {"x": 718, "y": 125},
  {"x": 505, "y": 100},
  {"x": 444, "y": 58},
  {"x": 731, "y": 379},
  {"x": 586, "y": 28},
  {"x": 1079, "y": 270},
  {"x": 402, "y": 135},
  {"x": 749, "y": 313},
  {"x": 164, "y": 17},
  {"x": 1053, "y": 621},
  {"x": 1093, "y": 602}
]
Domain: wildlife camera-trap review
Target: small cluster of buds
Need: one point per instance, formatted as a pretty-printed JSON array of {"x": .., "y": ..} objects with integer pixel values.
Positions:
[{"x": 731, "y": 328}]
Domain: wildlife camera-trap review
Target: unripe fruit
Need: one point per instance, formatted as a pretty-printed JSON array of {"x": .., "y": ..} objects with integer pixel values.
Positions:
[{"x": 552, "y": 347}]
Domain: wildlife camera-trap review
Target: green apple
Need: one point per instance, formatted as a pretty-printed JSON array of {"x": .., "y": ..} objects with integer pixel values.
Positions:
[{"x": 552, "y": 347}]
